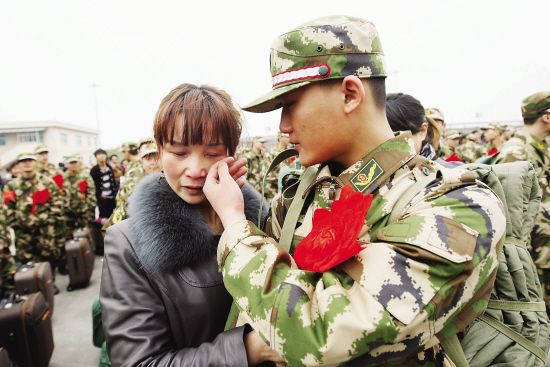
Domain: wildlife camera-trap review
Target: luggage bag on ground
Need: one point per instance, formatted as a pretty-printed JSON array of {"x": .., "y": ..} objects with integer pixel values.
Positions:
[
  {"x": 80, "y": 262},
  {"x": 84, "y": 233},
  {"x": 26, "y": 330},
  {"x": 32, "y": 278}
]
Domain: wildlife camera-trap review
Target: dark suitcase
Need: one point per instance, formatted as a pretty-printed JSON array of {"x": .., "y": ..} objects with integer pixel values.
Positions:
[
  {"x": 84, "y": 233},
  {"x": 32, "y": 278},
  {"x": 26, "y": 330},
  {"x": 80, "y": 262},
  {"x": 97, "y": 237},
  {"x": 5, "y": 360}
]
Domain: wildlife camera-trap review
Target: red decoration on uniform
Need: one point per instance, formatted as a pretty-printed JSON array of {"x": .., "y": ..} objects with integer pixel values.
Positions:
[
  {"x": 9, "y": 195},
  {"x": 333, "y": 238},
  {"x": 492, "y": 152},
  {"x": 39, "y": 197},
  {"x": 58, "y": 180},
  {"x": 453, "y": 158},
  {"x": 83, "y": 186}
]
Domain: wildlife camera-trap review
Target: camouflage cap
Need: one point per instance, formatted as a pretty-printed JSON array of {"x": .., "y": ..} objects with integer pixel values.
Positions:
[
  {"x": 535, "y": 105},
  {"x": 494, "y": 125},
  {"x": 435, "y": 113},
  {"x": 331, "y": 47},
  {"x": 126, "y": 147},
  {"x": 453, "y": 134},
  {"x": 145, "y": 141},
  {"x": 259, "y": 138},
  {"x": 25, "y": 156},
  {"x": 471, "y": 137},
  {"x": 72, "y": 158},
  {"x": 41, "y": 149},
  {"x": 149, "y": 149}
]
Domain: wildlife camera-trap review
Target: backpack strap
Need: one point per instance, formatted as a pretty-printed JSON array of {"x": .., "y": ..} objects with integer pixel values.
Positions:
[
  {"x": 293, "y": 213},
  {"x": 454, "y": 350},
  {"x": 515, "y": 336},
  {"x": 284, "y": 155}
]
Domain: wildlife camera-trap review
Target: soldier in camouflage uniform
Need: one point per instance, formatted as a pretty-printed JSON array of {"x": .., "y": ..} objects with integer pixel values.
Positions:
[
  {"x": 257, "y": 162},
  {"x": 42, "y": 166},
  {"x": 80, "y": 201},
  {"x": 439, "y": 118},
  {"x": 35, "y": 212},
  {"x": 6, "y": 258},
  {"x": 452, "y": 139},
  {"x": 148, "y": 164},
  {"x": 467, "y": 152},
  {"x": 273, "y": 177},
  {"x": 531, "y": 144},
  {"x": 415, "y": 281},
  {"x": 493, "y": 134},
  {"x": 131, "y": 154}
]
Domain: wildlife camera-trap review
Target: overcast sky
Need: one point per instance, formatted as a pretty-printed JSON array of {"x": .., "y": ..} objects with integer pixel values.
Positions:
[{"x": 476, "y": 60}]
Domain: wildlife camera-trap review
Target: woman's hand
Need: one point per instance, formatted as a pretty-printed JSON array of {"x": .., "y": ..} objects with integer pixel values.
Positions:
[
  {"x": 223, "y": 193},
  {"x": 257, "y": 350}
]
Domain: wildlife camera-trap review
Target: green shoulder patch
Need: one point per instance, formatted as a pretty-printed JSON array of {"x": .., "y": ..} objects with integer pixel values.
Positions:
[{"x": 367, "y": 175}]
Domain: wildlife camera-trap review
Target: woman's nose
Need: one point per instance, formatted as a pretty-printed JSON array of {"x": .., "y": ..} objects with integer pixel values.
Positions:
[{"x": 196, "y": 169}]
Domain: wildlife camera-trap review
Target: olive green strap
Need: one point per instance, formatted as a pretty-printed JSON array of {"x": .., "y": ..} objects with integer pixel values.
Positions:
[
  {"x": 515, "y": 241},
  {"x": 293, "y": 213},
  {"x": 516, "y": 305},
  {"x": 407, "y": 196},
  {"x": 284, "y": 155},
  {"x": 454, "y": 350},
  {"x": 515, "y": 336}
]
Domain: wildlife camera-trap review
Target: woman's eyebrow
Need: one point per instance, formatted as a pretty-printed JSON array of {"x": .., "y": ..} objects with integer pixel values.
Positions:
[{"x": 213, "y": 145}]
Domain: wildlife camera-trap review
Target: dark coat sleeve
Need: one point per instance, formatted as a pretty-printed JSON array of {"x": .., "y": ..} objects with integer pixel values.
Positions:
[
  {"x": 136, "y": 323},
  {"x": 96, "y": 176}
]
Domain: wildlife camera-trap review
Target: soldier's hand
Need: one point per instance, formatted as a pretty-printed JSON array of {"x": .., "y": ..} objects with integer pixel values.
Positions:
[
  {"x": 224, "y": 194},
  {"x": 257, "y": 350},
  {"x": 237, "y": 168}
]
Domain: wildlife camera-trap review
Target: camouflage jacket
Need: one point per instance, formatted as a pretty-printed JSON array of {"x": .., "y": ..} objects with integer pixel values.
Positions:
[
  {"x": 419, "y": 280},
  {"x": 467, "y": 152},
  {"x": 50, "y": 170},
  {"x": 80, "y": 200},
  {"x": 444, "y": 152},
  {"x": 121, "y": 211},
  {"x": 257, "y": 166},
  {"x": 6, "y": 258},
  {"x": 273, "y": 177}
]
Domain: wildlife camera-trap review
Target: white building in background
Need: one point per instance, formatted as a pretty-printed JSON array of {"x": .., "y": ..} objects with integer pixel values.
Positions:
[{"x": 61, "y": 139}]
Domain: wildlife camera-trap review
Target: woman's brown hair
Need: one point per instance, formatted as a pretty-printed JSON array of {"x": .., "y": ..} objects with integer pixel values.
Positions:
[{"x": 208, "y": 114}]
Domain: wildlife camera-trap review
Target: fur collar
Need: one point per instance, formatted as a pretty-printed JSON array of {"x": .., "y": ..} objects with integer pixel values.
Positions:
[{"x": 168, "y": 233}]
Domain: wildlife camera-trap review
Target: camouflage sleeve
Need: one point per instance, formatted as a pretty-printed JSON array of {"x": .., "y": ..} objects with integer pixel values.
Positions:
[
  {"x": 9, "y": 214},
  {"x": 56, "y": 219},
  {"x": 511, "y": 153},
  {"x": 396, "y": 297}
]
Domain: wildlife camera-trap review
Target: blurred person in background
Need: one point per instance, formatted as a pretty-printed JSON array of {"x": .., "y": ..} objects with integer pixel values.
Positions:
[
  {"x": 35, "y": 212},
  {"x": 117, "y": 168},
  {"x": 257, "y": 161},
  {"x": 106, "y": 187},
  {"x": 80, "y": 198}
]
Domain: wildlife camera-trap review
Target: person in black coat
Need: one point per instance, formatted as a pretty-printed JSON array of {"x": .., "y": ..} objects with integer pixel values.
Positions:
[
  {"x": 162, "y": 297},
  {"x": 106, "y": 186}
]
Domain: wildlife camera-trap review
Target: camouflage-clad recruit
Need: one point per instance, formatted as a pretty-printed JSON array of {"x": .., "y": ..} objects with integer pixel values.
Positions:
[
  {"x": 80, "y": 200},
  {"x": 272, "y": 180},
  {"x": 257, "y": 162},
  {"x": 6, "y": 258},
  {"x": 531, "y": 144},
  {"x": 35, "y": 212},
  {"x": 416, "y": 282}
]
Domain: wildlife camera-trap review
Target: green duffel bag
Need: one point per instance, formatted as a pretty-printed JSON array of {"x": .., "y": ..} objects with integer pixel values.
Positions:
[
  {"x": 98, "y": 335},
  {"x": 104, "y": 360},
  {"x": 514, "y": 331}
]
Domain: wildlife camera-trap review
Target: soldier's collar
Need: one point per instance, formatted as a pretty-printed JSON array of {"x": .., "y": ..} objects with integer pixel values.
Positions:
[
  {"x": 537, "y": 143},
  {"x": 369, "y": 172}
]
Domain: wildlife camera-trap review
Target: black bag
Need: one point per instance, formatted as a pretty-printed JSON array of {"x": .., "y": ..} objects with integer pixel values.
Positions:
[
  {"x": 80, "y": 262},
  {"x": 26, "y": 330},
  {"x": 32, "y": 278},
  {"x": 97, "y": 237}
]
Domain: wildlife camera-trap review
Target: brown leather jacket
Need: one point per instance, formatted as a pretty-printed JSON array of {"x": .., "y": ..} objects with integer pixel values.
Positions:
[{"x": 162, "y": 297}]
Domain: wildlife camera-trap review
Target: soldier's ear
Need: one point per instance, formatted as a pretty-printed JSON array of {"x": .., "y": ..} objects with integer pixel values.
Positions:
[
  {"x": 354, "y": 93},
  {"x": 546, "y": 118}
]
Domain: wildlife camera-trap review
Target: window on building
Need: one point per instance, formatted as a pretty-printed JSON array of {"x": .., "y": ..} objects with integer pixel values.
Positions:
[
  {"x": 89, "y": 141},
  {"x": 30, "y": 136},
  {"x": 2, "y": 139},
  {"x": 63, "y": 138},
  {"x": 78, "y": 140}
]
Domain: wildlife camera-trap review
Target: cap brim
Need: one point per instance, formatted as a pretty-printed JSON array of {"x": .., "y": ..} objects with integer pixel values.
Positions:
[
  {"x": 270, "y": 101},
  {"x": 41, "y": 151},
  {"x": 72, "y": 160}
]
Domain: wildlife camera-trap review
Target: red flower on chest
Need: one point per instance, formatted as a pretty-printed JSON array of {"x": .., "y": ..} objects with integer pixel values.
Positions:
[
  {"x": 333, "y": 238},
  {"x": 453, "y": 158},
  {"x": 83, "y": 185},
  {"x": 8, "y": 195},
  {"x": 39, "y": 197}
]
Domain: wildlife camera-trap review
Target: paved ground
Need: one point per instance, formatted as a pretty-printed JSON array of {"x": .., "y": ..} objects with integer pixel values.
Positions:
[{"x": 72, "y": 322}]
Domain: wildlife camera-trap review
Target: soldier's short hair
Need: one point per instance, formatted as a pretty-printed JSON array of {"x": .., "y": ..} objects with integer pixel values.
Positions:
[{"x": 209, "y": 116}]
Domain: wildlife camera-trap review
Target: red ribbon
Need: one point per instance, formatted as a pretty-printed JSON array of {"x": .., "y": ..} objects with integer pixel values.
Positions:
[
  {"x": 453, "y": 158},
  {"x": 83, "y": 186},
  {"x": 492, "y": 152},
  {"x": 58, "y": 180},
  {"x": 333, "y": 238},
  {"x": 8, "y": 195},
  {"x": 39, "y": 197}
]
